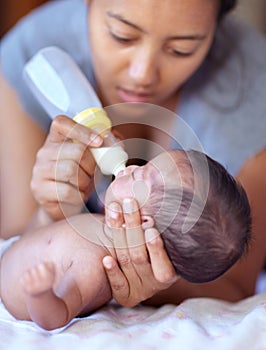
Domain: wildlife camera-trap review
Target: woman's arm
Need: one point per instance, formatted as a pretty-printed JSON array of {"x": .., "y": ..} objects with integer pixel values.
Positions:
[
  {"x": 40, "y": 185},
  {"x": 20, "y": 139}
]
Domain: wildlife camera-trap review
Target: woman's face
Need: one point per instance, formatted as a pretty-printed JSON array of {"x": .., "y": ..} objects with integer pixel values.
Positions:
[{"x": 144, "y": 50}]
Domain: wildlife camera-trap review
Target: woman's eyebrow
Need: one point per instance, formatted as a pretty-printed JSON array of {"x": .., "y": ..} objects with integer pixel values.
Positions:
[
  {"x": 188, "y": 37},
  {"x": 122, "y": 19},
  {"x": 196, "y": 37}
]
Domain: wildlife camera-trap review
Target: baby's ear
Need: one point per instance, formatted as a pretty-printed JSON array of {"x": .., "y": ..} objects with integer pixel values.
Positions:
[{"x": 146, "y": 222}]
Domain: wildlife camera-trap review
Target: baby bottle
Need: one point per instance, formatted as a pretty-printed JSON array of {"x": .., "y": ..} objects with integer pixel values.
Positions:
[{"x": 61, "y": 88}]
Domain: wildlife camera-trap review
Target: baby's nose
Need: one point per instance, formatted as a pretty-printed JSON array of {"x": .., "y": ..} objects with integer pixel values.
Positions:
[
  {"x": 129, "y": 169},
  {"x": 121, "y": 173}
]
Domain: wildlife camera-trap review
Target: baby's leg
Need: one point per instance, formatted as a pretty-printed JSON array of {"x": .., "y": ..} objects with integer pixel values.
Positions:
[{"x": 44, "y": 307}]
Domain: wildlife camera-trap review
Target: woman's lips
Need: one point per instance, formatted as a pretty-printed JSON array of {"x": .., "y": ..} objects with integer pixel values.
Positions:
[{"x": 133, "y": 96}]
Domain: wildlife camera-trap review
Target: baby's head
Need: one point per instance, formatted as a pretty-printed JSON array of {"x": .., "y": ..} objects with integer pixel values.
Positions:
[
  {"x": 200, "y": 210},
  {"x": 210, "y": 227}
]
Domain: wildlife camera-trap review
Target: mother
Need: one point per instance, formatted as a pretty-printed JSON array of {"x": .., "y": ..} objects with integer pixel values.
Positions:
[{"x": 183, "y": 55}]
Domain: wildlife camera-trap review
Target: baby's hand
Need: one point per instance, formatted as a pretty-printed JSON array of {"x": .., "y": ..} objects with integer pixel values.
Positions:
[{"x": 38, "y": 279}]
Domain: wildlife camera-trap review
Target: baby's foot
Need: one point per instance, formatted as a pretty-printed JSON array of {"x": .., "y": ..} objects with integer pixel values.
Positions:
[{"x": 38, "y": 279}]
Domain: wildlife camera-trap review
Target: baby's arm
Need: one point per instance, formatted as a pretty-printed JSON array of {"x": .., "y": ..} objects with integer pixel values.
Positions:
[{"x": 45, "y": 308}]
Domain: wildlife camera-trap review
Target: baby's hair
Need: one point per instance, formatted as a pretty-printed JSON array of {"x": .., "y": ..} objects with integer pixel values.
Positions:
[{"x": 220, "y": 235}]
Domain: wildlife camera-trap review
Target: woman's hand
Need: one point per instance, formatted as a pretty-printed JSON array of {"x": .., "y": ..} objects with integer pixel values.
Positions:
[
  {"x": 62, "y": 177},
  {"x": 142, "y": 268}
]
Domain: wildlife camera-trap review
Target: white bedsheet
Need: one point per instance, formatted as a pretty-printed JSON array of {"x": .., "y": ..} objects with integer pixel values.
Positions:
[{"x": 195, "y": 324}]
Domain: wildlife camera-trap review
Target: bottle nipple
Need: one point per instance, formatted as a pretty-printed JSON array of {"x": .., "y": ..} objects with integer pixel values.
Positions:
[
  {"x": 110, "y": 157},
  {"x": 119, "y": 168}
]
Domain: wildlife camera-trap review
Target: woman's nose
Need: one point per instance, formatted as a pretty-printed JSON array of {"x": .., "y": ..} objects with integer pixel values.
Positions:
[{"x": 143, "y": 69}]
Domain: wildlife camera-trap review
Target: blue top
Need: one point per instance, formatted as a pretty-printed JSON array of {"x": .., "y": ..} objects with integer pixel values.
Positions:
[{"x": 223, "y": 102}]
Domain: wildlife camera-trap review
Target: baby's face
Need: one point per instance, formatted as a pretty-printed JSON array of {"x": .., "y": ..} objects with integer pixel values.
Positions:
[
  {"x": 134, "y": 181},
  {"x": 139, "y": 181}
]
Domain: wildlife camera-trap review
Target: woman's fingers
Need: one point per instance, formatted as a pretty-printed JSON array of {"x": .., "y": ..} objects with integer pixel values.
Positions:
[
  {"x": 123, "y": 291},
  {"x": 119, "y": 276},
  {"x": 135, "y": 238},
  {"x": 115, "y": 221},
  {"x": 66, "y": 172},
  {"x": 137, "y": 274},
  {"x": 117, "y": 280},
  {"x": 63, "y": 172},
  {"x": 154, "y": 271},
  {"x": 127, "y": 234},
  {"x": 162, "y": 267},
  {"x": 59, "y": 192},
  {"x": 134, "y": 233},
  {"x": 78, "y": 153},
  {"x": 63, "y": 128}
]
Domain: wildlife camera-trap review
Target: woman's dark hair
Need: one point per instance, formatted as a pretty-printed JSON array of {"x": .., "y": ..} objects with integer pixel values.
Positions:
[{"x": 225, "y": 7}]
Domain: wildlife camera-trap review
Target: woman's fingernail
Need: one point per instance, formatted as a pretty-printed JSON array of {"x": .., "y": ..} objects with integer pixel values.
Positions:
[
  {"x": 151, "y": 234},
  {"x": 95, "y": 140},
  {"x": 107, "y": 262},
  {"x": 114, "y": 210},
  {"x": 147, "y": 222},
  {"x": 129, "y": 205}
]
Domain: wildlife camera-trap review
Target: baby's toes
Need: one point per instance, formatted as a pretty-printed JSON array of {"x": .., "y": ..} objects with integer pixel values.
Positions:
[{"x": 38, "y": 279}]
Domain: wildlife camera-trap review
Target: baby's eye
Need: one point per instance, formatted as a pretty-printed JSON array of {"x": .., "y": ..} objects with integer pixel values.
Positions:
[{"x": 138, "y": 174}]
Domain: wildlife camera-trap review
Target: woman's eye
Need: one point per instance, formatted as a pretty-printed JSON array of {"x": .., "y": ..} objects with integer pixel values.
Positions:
[
  {"x": 182, "y": 54},
  {"x": 120, "y": 38}
]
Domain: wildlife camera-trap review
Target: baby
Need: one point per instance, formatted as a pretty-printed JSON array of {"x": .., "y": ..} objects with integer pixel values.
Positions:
[{"x": 55, "y": 274}]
